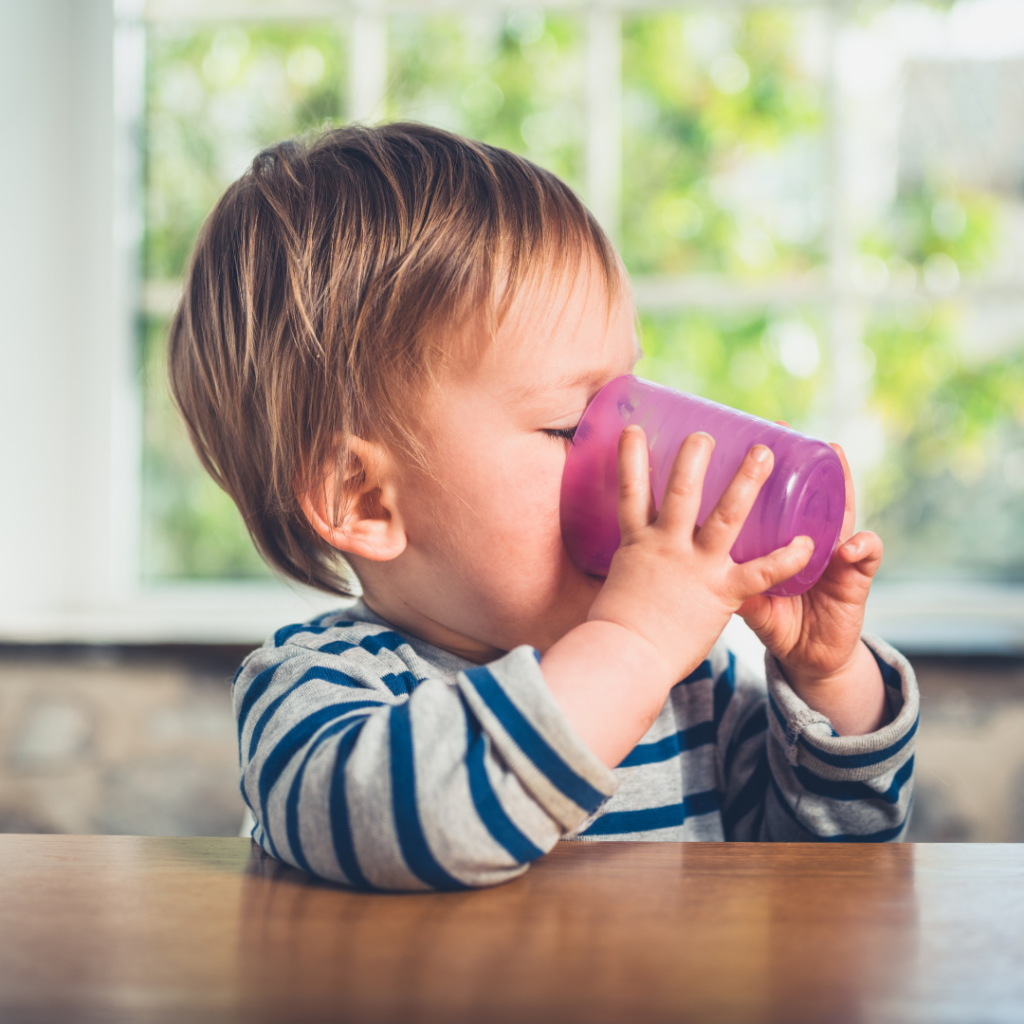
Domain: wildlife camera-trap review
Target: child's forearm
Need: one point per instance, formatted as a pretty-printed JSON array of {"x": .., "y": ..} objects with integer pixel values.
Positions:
[
  {"x": 611, "y": 683},
  {"x": 852, "y": 698}
]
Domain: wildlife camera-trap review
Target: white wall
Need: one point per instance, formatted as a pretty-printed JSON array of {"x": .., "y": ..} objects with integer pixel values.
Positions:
[
  {"x": 58, "y": 330},
  {"x": 69, "y": 434}
]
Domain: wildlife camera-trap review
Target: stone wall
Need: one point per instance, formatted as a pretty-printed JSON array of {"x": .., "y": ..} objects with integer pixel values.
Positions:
[
  {"x": 143, "y": 742},
  {"x": 119, "y": 742},
  {"x": 970, "y": 751}
]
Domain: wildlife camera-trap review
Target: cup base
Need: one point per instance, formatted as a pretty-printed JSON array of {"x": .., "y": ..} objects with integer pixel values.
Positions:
[{"x": 816, "y": 515}]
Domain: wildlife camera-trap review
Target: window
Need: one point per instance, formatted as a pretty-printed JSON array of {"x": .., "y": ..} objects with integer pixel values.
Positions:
[{"x": 820, "y": 206}]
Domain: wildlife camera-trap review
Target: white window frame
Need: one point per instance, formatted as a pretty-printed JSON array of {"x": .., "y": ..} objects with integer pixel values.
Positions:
[{"x": 69, "y": 400}]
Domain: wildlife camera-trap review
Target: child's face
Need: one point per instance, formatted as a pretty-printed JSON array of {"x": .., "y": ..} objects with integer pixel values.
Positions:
[{"x": 484, "y": 568}]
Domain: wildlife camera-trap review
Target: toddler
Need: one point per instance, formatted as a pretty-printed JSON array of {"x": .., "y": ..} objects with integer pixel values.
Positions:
[{"x": 387, "y": 338}]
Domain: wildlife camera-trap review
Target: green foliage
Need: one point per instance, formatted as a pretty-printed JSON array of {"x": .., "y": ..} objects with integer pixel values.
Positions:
[
  {"x": 950, "y": 413},
  {"x": 724, "y": 173},
  {"x": 927, "y": 219},
  {"x": 214, "y": 98},
  {"x": 735, "y": 358},
  {"x": 703, "y": 116},
  {"x": 191, "y": 528},
  {"x": 515, "y": 82}
]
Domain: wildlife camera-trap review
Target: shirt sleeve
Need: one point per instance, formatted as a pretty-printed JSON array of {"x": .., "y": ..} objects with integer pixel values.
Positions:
[
  {"x": 795, "y": 779},
  {"x": 360, "y": 772}
]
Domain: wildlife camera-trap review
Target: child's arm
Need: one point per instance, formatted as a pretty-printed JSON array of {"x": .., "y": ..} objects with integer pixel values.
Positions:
[
  {"x": 669, "y": 594},
  {"x": 788, "y": 777},
  {"x": 844, "y": 708},
  {"x": 363, "y": 765}
]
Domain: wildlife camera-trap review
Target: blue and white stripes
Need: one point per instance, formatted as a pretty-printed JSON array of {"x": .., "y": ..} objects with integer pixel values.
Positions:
[
  {"x": 843, "y": 788},
  {"x": 376, "y": 760}
]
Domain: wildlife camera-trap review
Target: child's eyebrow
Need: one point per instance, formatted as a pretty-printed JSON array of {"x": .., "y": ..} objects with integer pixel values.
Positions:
[{"x": 591, "y": 379}]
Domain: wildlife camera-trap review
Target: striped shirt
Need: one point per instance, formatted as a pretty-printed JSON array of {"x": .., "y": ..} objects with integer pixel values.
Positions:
[{"x": 378, "y": 760}]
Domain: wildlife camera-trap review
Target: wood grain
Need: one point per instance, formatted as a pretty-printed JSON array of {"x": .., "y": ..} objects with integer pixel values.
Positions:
[{"x": 102, "y": 928}]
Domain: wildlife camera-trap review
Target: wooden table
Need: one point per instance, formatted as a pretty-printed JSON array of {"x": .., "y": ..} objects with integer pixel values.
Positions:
[{"x": 112, "y": 928}]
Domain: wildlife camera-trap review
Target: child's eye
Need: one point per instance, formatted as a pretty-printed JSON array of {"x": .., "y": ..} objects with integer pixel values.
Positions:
[{"x": 563, "y": 433}]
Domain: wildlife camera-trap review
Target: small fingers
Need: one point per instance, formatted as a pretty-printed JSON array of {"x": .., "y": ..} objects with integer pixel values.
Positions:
[
  {"x": 756, "y": 611},
  {"x": 681, "y": 501},
  {"x": 726, "y": 519},
  {"x": 863, "y": 550},
  {"x": 757, "y": 575},
  {"x": 850, "y": 513},
  {"x": 635, "y": 501}
]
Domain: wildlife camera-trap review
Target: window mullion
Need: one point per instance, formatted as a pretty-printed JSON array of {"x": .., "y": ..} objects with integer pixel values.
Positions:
[
  {"x": 368, "y": 62},
  {"x": 848, "y": 391},
  {"x": 604, "y": 116}
]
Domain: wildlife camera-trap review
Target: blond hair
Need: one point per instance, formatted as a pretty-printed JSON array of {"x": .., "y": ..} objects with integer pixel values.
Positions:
[{"x": 315, "y": 295}]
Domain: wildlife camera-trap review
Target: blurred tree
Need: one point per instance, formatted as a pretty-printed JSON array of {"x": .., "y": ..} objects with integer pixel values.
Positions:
[
  {"x": 723, "y": 147},
  {"x": 724, "y": 173},
  {"x": 515, "y": 81},
  {"x": 767, "y": 365},
  {"x": 952, "y": 416},
  {"x": 214, "y": 98}
]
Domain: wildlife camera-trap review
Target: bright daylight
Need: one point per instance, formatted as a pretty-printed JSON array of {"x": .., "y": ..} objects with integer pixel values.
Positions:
[{"x": 474, "y": 469}]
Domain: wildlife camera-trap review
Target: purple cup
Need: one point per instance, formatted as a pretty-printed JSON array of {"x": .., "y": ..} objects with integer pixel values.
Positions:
[{"x": 804, "y": 496}]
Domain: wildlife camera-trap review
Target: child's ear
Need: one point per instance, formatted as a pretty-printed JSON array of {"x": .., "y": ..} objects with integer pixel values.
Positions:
[{"x": 354, "y": 507}]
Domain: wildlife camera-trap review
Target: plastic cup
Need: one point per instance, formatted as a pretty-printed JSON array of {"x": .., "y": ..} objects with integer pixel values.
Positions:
[{"x": 804, "y": 496}]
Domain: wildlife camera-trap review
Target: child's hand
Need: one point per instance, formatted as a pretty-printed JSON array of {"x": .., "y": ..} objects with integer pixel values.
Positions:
[
  {"x": 816, "y": 636},
  {"x": 671, "y": 583},
  {"x": 669, "y": 593}
]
